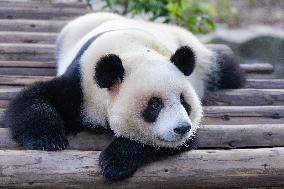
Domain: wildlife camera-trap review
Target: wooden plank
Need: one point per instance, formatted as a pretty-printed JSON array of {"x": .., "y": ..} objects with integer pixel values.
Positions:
[
  {"x": 6, "y": 93},
  {"x": 40, "y": 13},
  {"x": 195, "y": 169},
  {"x": 260, "y": 76},
  {"x": 236, "y": 115},
  {"x": 4, "y": 103},
  {"x": 264, "y": 68},
  {"x": 27, "y": 37},
  {"x": 245, "y": 111},
  {"x": 224, "y": 115},
  {"x": 21, "y": 80},
  {"x": 210, "y": 136},
  {"x": 245, "y": 97},
  {"x": 27, "y": 64},
  {"x": 237, "y": 97},
  {"x": 4, "y": 79},
  {"x": 45, "y": 1},
  {"x": 265, "y": 83},
  {"x": 231, "y": 120},
  {"x": 28, "y": 71},
  {"x": 24, "y": 25},
  {"x": 26, "y": 52},
  {"x": 42, "y": 4}
]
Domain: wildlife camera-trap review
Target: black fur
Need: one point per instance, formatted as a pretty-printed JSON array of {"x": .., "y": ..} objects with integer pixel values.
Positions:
[
  {"x": 41, "y": 115},
  {"x": 186, "y": 106},
  {"x": 109, "y": 69},
  {"x": 123, "y": 156},
  {"x": 184, "y": 59},
  {"x": 151, "y": 112},
  {"x": 229, "y": 74}
]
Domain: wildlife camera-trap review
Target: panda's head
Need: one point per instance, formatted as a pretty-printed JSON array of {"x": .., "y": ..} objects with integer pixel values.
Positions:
[{"x": 151, "y": 101}]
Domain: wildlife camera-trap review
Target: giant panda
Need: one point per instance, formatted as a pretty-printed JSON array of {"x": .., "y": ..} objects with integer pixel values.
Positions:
[{"x": 142, "y": 81}]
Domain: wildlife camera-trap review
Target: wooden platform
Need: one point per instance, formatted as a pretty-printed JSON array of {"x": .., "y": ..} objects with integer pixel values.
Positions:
[{"x": 242, "y": 138}]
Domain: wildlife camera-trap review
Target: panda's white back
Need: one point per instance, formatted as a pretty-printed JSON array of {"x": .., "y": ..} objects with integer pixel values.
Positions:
[{"x": 79, "y": 31}]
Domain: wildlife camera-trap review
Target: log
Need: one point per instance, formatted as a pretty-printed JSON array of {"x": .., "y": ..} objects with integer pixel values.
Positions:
[
  {"x": 41, "y": 4},
  {"x": 49, "y": 1},
  {"x": 21, "y": 80},
  {"x": 265, "y": 83},
  {"x": 27, "y": 64},
  {"x": 245, "y": 111},
  {"x": 236, "y": 115},
  {"x": 24, "y": 25},
  {"x": 16, "y": 78},
  {"x": 260, "y": 76},
  {"x": 28, "y": 71},
  {"x": 210, "y": 137},
  {"x": 26, "y": 52},
  {"x": 263, "y": 68},
  {"x": 44, "y": 1},
  {"x": 236, "y": 97},
  {"x": 194, "y": 169},
  {"x": 245, "y": 97},
  {"x": 27, "y": 37},
  {"x": 228, "y": 115},
  {"x": 40, "y": 13}
]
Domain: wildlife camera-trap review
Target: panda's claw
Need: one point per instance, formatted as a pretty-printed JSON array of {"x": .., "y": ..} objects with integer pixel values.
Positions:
[{"x": 53, "y": 143}]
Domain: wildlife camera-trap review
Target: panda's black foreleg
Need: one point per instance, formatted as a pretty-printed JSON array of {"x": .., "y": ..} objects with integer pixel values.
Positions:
[
  {"x": 123, "y": 156},
  {"x": 34, "y": 120}
]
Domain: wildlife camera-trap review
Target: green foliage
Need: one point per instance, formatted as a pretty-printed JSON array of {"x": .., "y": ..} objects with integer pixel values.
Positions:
[{"x": 195, "y": 15}]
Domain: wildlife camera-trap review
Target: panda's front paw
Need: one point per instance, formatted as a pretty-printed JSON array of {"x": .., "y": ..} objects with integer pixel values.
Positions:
[
  {"x": 120, "y": 159},
  {"x": 49, "y": 143},
  {"x": 116, "y": 168}
]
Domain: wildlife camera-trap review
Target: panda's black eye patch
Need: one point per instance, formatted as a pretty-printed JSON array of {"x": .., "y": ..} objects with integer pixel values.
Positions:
[
  {"x": 186, "y": 106},
  {"x": 151, "y": 112}
]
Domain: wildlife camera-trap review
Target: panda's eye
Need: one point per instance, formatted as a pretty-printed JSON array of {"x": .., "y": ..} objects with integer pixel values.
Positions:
[
  {"x": 186, "y": 106},
  {"x": 152, "y": 110}
]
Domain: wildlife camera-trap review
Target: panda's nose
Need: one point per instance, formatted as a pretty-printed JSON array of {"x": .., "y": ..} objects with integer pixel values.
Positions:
[{"x": 182, "y": 128}]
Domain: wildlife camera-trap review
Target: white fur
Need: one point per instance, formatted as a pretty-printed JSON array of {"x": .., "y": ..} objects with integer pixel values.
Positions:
[{"x": 145, "y": 49}]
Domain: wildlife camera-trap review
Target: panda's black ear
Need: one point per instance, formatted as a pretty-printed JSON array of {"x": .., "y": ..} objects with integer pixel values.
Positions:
[
  {"x": 184, "y": 59},
  {"x": 109, "y": 69}
]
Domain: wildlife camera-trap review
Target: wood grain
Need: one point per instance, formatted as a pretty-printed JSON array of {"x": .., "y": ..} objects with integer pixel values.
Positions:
[
  {"x": 42, "y": 4},
  {"x": 26, "y": 25},
  {"x": 263, "y": 68},
  {"x": 238, "y": 115},
  {"x": 195, "y": 169},
  {"x": 237, "y": 97},
  {"x": 210, "y": 136},
  {"x": 26, "y": 52},
  {"x": 245, "y": 97},
  {"x": 21, "y": 80},
  {"x": 265, "y": 83},
  {"x": 27, "y": 37},
  {"x": 228, "y": 115},
  {"x": 40, "y": 13}
]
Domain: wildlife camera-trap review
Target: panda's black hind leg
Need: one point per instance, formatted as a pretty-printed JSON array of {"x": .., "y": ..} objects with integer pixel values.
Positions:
[
  {"x": 228, "y": 74},
  {"x": 232, "y": 76},
  {"x": 34, "y": 122}
]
